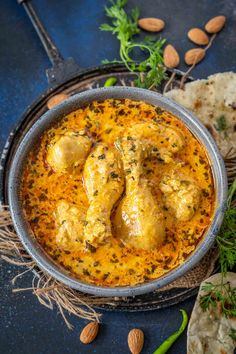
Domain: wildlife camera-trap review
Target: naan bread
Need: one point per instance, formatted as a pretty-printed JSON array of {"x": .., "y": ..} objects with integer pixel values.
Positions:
[
  {"x": 208, "y": 332},
  {"x": 209, "y": 100}
]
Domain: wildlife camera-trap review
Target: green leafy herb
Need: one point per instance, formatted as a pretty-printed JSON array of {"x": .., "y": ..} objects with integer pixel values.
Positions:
[
  {"x": 219, "y": 295},
  {"x": 223, "y": 294},
  {"x": 165, "y": 346},
  {"x": 221, "y": 125},
  {"x": 226, "y": 239},
  {"x": 125, "y": 27}
]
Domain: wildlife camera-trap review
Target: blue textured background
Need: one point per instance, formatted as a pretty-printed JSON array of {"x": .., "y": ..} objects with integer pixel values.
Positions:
[{"x": 25, "y": 326}]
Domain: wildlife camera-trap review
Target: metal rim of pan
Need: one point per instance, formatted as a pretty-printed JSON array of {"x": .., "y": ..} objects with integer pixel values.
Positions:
[
  {"x": 72, "y": 104},
  {"x": 96, "y": 76}
]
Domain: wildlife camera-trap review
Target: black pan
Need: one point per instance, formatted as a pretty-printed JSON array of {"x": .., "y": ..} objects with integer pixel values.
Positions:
[{"x": 66, "y": 76}]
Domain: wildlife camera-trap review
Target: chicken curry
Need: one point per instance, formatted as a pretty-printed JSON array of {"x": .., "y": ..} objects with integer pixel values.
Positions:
[{"x": 118, "y": 192}]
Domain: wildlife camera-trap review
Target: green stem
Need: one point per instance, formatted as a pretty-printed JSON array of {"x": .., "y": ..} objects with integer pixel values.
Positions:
[
  {"x": 222, "y": 240},
  {"x": 124, "y": 58},
  {"x": 231, "y": 192}
]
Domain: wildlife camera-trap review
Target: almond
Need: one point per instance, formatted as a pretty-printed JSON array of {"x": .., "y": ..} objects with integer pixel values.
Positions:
[
  {"x": 215, "y": 24},
  {"x": 171, "y": 57},
  {"x": 55, "y": 100},
  {"x": 151, "y": 24},
  {"x": 89, "y": 333},
  {"x": 135, "y": 340},
  {"x": 198, "y": 36},
  {"x": 194, "y": 56}
]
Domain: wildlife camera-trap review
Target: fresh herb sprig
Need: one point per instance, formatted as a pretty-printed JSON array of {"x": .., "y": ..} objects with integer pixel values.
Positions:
[
  {"x": 125, "y": 27},
  {"x": 226, "y": 239},
  {"x": 223, "y": 294}
]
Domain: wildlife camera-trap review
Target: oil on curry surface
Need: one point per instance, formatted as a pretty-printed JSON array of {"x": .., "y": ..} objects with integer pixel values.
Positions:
[{"x": 118, "y": 193}]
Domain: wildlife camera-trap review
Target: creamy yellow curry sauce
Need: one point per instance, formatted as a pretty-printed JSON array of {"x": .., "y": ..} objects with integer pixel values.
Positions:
[{"x": 118, "y": 192}]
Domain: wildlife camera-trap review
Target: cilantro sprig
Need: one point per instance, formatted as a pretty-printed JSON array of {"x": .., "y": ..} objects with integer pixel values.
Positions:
[
  {"x": 125, "y": 27},
  {"x": 226, "y": 238},
  {"x": 223, "y": 294}
]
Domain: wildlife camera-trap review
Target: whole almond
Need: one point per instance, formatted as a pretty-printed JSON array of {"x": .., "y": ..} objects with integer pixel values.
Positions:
[
  {"x": 89, "y": 333},
  {"x": 215, "y": 24},
  {"x": 55, "y": 100},
  {"x": 194, "y": 56},
  {"x": 135, "y": 340},
  {"x": 198, "y": 36},
  {"x": 171, "y": 57},
  {"x": 151, "y": 24}
]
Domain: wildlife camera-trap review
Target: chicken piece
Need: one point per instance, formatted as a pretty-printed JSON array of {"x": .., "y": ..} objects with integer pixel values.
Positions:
[
  {"x": 181, "y": 195},
  {"x": 69, "y": 152},
  {"x": 139, "y": 221},
  {"x": 69, "y": 220},
  {"x": 104, "y": 182},
  {"x": 162, "y": 140}
]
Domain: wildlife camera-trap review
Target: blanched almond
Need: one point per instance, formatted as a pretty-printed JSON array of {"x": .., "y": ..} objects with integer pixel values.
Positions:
[
  {"x": 171, "y": 57},
  {"x": 194, "y": 56},
  {"x": 215, "y": 24},
  {"x": 198, "y": 36},
  {"x": 135, "y": 340},
  {"x": 89, "y": 333},
  {"x": 151, "y": 24},
  {"x": 55, "y": 100}
]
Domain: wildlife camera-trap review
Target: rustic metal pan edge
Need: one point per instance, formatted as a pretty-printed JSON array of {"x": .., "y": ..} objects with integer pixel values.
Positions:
[{"x": 72, "y": 104}]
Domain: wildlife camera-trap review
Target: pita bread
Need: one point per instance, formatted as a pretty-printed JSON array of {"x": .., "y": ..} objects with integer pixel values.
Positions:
[
  {"x": 210, "y": 100},
  {"x": 208, "y": 332}
]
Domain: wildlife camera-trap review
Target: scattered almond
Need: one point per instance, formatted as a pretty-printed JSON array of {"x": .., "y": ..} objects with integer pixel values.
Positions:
[
  {"x": 89, "y": 333},
  {"x": 171, "y": 57},
  {"x": 198, "y": 36},
  {"x": 151, "y": 24},
  {"x": 135, "y": 340},
  {"x": 215, "y": 24},
  {"x": 194, "y": 56},
  {"x": 55, "y": 100}
]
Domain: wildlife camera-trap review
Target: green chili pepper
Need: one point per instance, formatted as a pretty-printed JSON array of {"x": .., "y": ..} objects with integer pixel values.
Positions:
[
  {"x": 169, "y": 341},
  {"x": 110, "y": 82}
]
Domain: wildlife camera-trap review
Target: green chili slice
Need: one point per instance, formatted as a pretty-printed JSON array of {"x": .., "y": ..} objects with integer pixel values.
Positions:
[
  {"x": 110, "y": 82},
  {"x": 170, "y": 340}
]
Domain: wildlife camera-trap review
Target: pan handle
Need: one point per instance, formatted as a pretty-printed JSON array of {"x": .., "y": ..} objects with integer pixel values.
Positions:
[
  {"x": 62, "y": 69},
  {"x": 52, "y": 51}
]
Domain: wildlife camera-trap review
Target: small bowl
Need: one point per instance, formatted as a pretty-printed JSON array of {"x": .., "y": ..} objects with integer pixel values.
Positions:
[{"x": 54, "y": 115}]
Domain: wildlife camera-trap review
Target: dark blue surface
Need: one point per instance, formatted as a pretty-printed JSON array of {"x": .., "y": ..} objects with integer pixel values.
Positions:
[{"x": 27, "y": 327}]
